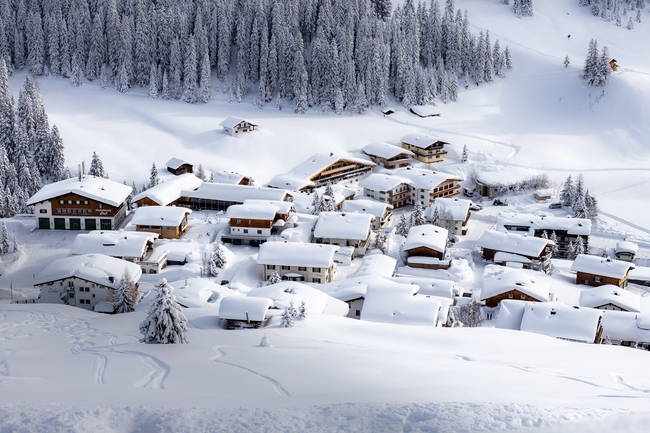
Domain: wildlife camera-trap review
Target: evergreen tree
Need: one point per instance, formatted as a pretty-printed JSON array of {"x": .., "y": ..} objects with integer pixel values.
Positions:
[
  {"x": 153, "y": 176},
  {"x": 303, "y": 313},
  {"x": 104, "y": 75},
  {"x": 630, "y": 24},
  {"x": 568, "y": 192},
  {"x": 570, "y": 251},
  {"x": 5, "y": 239},
  {"x": 417, "y": 217},
  {"x": 579, "y": 206},
  {"x": 274, "y": 278},
  {"x": 579, "y": 246},
  {"x": 554, "y": 249},
  {"x": 464, "y": 155},
  {"x": 96, "y": 167},
  {"x": 316, "y": 203},
  {"x": 124, "y": 294},
  {"x": 470, "y": 315},
  {"x": 219, "y": 256},
  {"x": 287, "y": 319},
  {"x": 592, "y": 205},
  {"x": 190, "y": 74},
  {"x": 403, "y": 226},
  {"x": 153, "y": 81},
  {"x": 567, "y": 62},
  {"x": 292, "y": 309},
  {"x": 165, "y": 322},
  {"x": 508, "y": 58},
  {"x": 205, "y": 86},
  {"x": 381, "y": 241},
  {"x": 200, "y": 173}
]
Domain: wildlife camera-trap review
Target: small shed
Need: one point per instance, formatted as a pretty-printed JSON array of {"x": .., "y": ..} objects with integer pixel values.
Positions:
[
  {"x": 543, "y": 194},
  {"x": 613, "y": 65},
  {"x": 178, "y": 166},
  {"x": 244, "y": 312},
  {"x": 236, "y": 125},
  {"x": 425, "y": 110},
  {"x": 626, "y": 250}
]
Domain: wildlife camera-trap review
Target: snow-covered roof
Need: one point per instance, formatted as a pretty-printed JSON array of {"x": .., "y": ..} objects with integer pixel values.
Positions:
[
  {"x": 383, "y": 182},
  {"x": 528, "y": 283},
  {"x": 380, "y": 265},
  {"x": 160, "y": 215},
  {"x": 428, "y": 236},
  {"x": 626, "y": 326},
  {"x": 505, "y": 176},
  {"x": 511, "y": 311},
  {"x": 112, "y": 243},
  {"x": 200, "y": 292},
  {"x": 94, "y": 188},
  {"x": 177, "y": 162},
  {"x": 596, "y": 265},
  {"x": 244, "y": 308},
  {"x": 259, "y": 209},
  {"x": 610, "y": 294},
  {"x": 501, "y": 257},
  {"x": 350, "y": 289},
  {"x": 343, "y": 225},
  {"x": 286, "y": 291},
  {"x": 96, "y": 268},
  {"x": 170, "y": 190},
  {"x": 431, "y": 286},
  {"x": 233, "y": 121},
  {"x": 445, "y": 304},
  {"x": 513, "y": 243},
  {"x": 235, "y": 193},
  {"x": 422, "y": 178},
  {"x": 458, "y": 207},
  {"x": 626, "y": 247},
  {"x": 640, "y": 273},
  {"x": 573, "y": 226},
  {"x": 425, "y": 110},
  {"x": 562, "y": 321},
  {"x": 296, "y": 254},
  {"x": 372, "y": 207},
  {"x": 421, "y": 140},
  {"x": 544, "y": 192},
  {"x": 385, "y": 150},
  {"x": 301, "y": 176},
  {"x": 389, "y": 302},
  {"x": 231, "y": 177}
]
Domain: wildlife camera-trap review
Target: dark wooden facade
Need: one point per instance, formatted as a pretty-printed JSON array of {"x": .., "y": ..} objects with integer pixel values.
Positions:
[
  {"x": 424, "y": 252},
  {"x": 510, "y": 294},
  {"x": 599, "y": 280},
  {"x": 182, "y": 169},
  {"x": 73, "y": 204}
]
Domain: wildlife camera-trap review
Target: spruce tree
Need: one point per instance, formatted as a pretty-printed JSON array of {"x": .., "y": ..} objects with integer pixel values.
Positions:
[
  {"x": 568, "y": 192},
  {"x": 205, "y": 86},
  {"x": 303, "y": 313},
  {"x": 190, "y": 74},
  {"x": 274, "y": 278},
  {"x": 153, "y": 176},
  {"x": 381, "y": 241},
  {"x": 153, "y": 81},
  {"x": 579, "y": 246},
  {"x": 570, "y": 251},
  {"x": 579, "y": 206},
  {"x": 200, "y": 173},
  {"x": 165, "y": 322},
  {"x": 403, "y": 226},
  {"x": 464, "y": 156},
  {"x": 287, "y": 319},
  {"x": 554, "y": 249},
  {"x": 124, "y": 294},
  {"x": 418, "y": 215},
  {"x": 96, "y": 167},
  {"x": 567, "y": 62},
  {"x": 5, "y": 238}
]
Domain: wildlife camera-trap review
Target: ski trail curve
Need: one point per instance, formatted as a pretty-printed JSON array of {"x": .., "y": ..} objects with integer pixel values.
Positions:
[{"x": 277, "y": 386}]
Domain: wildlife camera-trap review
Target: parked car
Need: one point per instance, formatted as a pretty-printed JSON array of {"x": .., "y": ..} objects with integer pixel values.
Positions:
[
  {"x": 475, "y": 207},
  {"x": 557, "y": 205},
  {"x": 498, "y": 202}
]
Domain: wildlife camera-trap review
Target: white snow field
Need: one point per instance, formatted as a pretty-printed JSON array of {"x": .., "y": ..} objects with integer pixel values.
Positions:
[{"x": 63, "y": 369}]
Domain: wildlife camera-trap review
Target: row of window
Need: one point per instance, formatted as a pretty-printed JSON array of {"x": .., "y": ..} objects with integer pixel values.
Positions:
[
  {"x": 72, "y": 211},
  {"x": 259, "y": 232},
  {"x": 172, "y": 228},
  {"x": 287, "y": 268},
  {"x": 84, "y": 301},
  {"x": 75, "y": 202}
]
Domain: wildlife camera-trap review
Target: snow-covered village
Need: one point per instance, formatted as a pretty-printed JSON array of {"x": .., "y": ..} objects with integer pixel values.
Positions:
[{"x": 324, "y": 215}]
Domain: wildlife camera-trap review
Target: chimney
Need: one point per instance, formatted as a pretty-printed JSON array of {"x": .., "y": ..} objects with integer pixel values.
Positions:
[{"x": 79, "y": 170}]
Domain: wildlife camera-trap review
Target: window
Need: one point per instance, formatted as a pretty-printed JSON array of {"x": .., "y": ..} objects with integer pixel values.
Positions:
[
  {"x": 598, "y": 279},
  {"x": 44, "y": 210},
  {"x": 69, "y": 201},
  {"x": 587, "y": 282},
  {"x": 358, "y": 312},
  {"x": 315, "y": 280},
  {"x": 238, "y": 221},
  {"x": 286, "y": 268},
  {"x": 523, "y": 296},
  {"x": 61, "y": 201},
  {"x": 93, "y": 295},
  {"x": 245, "y": 230},
  {"x": 259, "y": 232},
  {"x": 100, "y": 205},
  {"x": 316, "y": 269},
  {"x": 85, "y": 201},
  {"x": 510, "y": 295},
  {"x": 77, "y": 202},
  {"x": 270, "y": 267},
  {"x": 302, "y": 268}
]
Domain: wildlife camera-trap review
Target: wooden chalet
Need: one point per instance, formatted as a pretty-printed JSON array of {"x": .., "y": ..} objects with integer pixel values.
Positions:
[
  {"x": 236, "y": 125},
  {"x": 613, "y": 64},
  {"x": 178, "y": 166},
  {"x": 598, "y": 271},
  {"x": 321, "y": 169},
  {"x": 543, "y": 194},
  {"x": 610, "y": 297},
  {"x": 169, "y": 222},
  {"x": 244, "y": 312},
  {"x": 220, "y": 196},
  {"x": 503, "y": 248},
  {"x": 426, "y": 148},
  {"x": 255, "y": 220},
  {"x": 167, "y": 193},
  {"x": 388, "y": 155},
  {"x": 512, "y": 284},
  {"x": 88, "y": 204},
  {"x": 426, "y": 246}
]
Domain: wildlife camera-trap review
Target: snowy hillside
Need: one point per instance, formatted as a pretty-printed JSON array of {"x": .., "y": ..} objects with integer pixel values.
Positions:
[{"x": 65, "y": 369}]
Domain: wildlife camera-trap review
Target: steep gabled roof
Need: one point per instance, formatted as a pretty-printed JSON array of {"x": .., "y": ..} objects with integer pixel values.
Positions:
[
  {"x": 601, "y": 266},
  {"x": 233, "y": 121},
  {"x": 610, "y": 294},
  {"x": 97, "y": 268},
  {"x": 95, "y": 188},
  {"x": 170, "y": 190},
  {"x": 112, "y": 243},
  {"x": 385, "y": 150},
  {"x": 422, "y": 141},
  {"x": 428, "y": 236},
  {"x": 528, "y": 246},
  {"x": 343, "y": 225},
  {"x": 174, "y": 163}
]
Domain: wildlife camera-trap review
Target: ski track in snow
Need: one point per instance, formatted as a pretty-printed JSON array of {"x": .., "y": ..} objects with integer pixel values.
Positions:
[
  {"x": 81, "y": 335},
  {"x": 277, "y": 386}
]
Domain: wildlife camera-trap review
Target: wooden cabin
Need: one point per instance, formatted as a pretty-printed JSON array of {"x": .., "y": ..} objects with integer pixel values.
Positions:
[
  {"x": 169, "y": 222},
  {"x": 426, "y": 148},
  {"x": 613, "y": 65},
  {"x": 178, "y": 166},
  {"x": 236, "y": 125},
  {"x": 598, "y": 271},
  {"x": 425, "y": 247}
]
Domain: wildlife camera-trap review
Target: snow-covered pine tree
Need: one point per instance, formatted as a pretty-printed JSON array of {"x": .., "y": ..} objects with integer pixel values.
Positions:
[
  {"x": 153, "y": 176},
  {"x": 5, "y": 238},
  {"x": 417, "y": 217},
  {"x": 274, "y": 278},
  {"x": 579, "y": 206},
  {"x": 205, "y": 85},
  {"x": 592, "y": 205},
  {"x": 265, "y": 342},
  {"x": 303, "y": 313},
  {"x": 200, "y": 173},
  {"x": 165, "y": 322},
  {"x": 123, "y": 295},
  {"x": 630, "y": 24},
  {"x": 381, "y": 241},
  {"x": 96, "y": 167},
  {"x": 471, "y": 315},
  {"x": 570, "y": 251},
  {"x": 567, "y": 62},
  {"x": 464, "y": 156},
  {"x": 190, "y": 77},
  {"x": 219, "y": 256},
  {"x": 579, "y": 246},
  {"x": 554, "y": 249},
  {"x": 287, "y": 319},
  {"x": 508, "y": 58},
  {"x": 315, "y": 203},
  {"x": 153, "y": 81},
  {"x": 327, "y": 203},
  {"x": 568, "y": 192},
  {"x": 328, "y": 190},
  {"x": 292, "y": 310},
  {"x": 104, "y": 75},
  {"x": 403, "y": 226}
]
